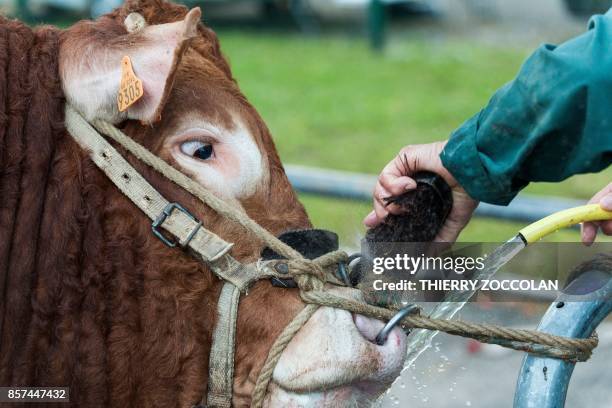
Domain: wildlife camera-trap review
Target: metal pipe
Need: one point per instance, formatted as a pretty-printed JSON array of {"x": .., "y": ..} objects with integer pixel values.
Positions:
[{"x": 543, "y": 382}]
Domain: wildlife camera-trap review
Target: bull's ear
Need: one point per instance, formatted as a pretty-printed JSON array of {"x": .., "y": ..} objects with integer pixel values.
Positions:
[{"x": 91, "y": 56}]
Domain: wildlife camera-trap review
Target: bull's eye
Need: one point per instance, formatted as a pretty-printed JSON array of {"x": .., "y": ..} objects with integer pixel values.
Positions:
[{"x": 197, "y": 149}]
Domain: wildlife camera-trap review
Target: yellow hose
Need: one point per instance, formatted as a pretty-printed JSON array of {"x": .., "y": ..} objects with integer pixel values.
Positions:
[{"x": 572, "y": 216}]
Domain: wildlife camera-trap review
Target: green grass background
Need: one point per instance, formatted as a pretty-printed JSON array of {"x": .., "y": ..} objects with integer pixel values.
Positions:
[{"x": 330, "y": 102}]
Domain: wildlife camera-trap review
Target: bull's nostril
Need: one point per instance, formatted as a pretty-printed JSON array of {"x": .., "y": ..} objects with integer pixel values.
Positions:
[{"x": 367, "y": 327}]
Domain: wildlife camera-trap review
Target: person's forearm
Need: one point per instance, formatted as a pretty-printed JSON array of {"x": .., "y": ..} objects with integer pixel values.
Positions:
[{"x": 553, "y": 121}]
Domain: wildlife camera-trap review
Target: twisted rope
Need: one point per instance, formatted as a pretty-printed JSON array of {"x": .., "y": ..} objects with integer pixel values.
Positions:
[
  {"x": 572, "y": 349},
  {"x": 531, "y": 341},
  {"x": 261, "y": 386},
  {"x": 310, "y": 275}
]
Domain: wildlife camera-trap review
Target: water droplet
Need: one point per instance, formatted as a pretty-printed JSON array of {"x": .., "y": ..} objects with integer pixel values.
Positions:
[{"x": 468, "y": 403}]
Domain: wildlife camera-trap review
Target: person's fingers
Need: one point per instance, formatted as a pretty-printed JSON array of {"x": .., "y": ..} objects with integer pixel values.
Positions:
[
  {"x": 397, "y": 167},
  {"x": 379, "y": 213},
  {"x": 589, "y": 232},
  {"x": 606, "y": 202},
  {"x": 607, "y": 190},
  {"x": 371, "y": 220},
  {"x": 381, "y": 195},
  {"x": 379, "y": 202},
  {"x": 381, "y": 206},
  {"x": 414, "y": 158},
  {"x": 606, "y": 227},
  {"x": 589, "y": 229},
  {"x": 394, "y": 179},
  {"x": 396, "y": 185},
  {"x": 393, "y": 187}
]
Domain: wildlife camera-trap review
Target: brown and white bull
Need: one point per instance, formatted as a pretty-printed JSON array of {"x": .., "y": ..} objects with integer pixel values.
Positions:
[{"x": 90, "y": 299}]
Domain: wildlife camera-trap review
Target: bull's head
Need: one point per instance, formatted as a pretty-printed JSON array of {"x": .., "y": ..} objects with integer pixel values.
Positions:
[{"x": 194, "y": 116}]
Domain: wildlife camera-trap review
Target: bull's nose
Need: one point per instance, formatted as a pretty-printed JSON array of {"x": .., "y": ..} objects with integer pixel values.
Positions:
[{"x": 336, "y": 348}]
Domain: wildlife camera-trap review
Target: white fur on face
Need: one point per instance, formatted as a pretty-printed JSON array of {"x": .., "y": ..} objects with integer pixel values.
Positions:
[
  {"x": 332, "y": 361},
  {"x": 236, "y": 168}
]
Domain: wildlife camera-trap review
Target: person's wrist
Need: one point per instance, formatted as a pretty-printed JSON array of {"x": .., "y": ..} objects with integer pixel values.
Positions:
[{"x": 445, "y": 173}]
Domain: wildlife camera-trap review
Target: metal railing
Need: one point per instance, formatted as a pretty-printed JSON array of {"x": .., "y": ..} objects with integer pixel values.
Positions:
[{"x": 357, "y": 186}]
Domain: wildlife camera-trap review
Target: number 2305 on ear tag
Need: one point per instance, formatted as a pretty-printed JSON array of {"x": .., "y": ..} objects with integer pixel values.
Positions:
[{"x": 130, "y": 88}]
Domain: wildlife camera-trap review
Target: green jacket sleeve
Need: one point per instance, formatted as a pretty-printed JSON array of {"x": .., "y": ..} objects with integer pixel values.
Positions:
[{"x": 552, "y": 121}]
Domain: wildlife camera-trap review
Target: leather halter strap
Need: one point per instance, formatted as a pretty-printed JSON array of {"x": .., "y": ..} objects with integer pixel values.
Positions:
[
  {"x": 221, "y": 359},
  {"x": 189, "y": 233}
]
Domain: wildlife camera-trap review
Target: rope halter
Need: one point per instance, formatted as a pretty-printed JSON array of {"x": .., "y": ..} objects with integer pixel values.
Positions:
[{"x": 311, "y": 276}]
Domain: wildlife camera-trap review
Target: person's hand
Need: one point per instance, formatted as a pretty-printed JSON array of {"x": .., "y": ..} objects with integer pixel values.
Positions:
[
  {"x": 394, "y": 180},
  {"x": 589, "y": 229}
]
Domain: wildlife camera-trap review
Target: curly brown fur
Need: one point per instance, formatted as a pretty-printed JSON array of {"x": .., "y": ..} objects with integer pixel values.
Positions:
[{"x": 89, "y": 298}]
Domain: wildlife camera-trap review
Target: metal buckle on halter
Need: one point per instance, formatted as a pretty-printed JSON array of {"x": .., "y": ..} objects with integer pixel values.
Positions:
[{"x": 165, "y": 214}]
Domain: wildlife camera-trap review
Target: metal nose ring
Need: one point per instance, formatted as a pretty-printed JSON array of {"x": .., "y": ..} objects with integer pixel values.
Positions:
[
  {"x": 381, "y": 337},
  {"x": 343, "y": 274}
]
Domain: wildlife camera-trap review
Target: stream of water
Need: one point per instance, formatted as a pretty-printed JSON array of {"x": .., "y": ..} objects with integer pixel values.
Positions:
[{"x": 421, "y": 340}]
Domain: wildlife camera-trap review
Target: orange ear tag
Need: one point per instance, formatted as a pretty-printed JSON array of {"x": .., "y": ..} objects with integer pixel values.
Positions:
[{"x": 130, "y": 89}]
